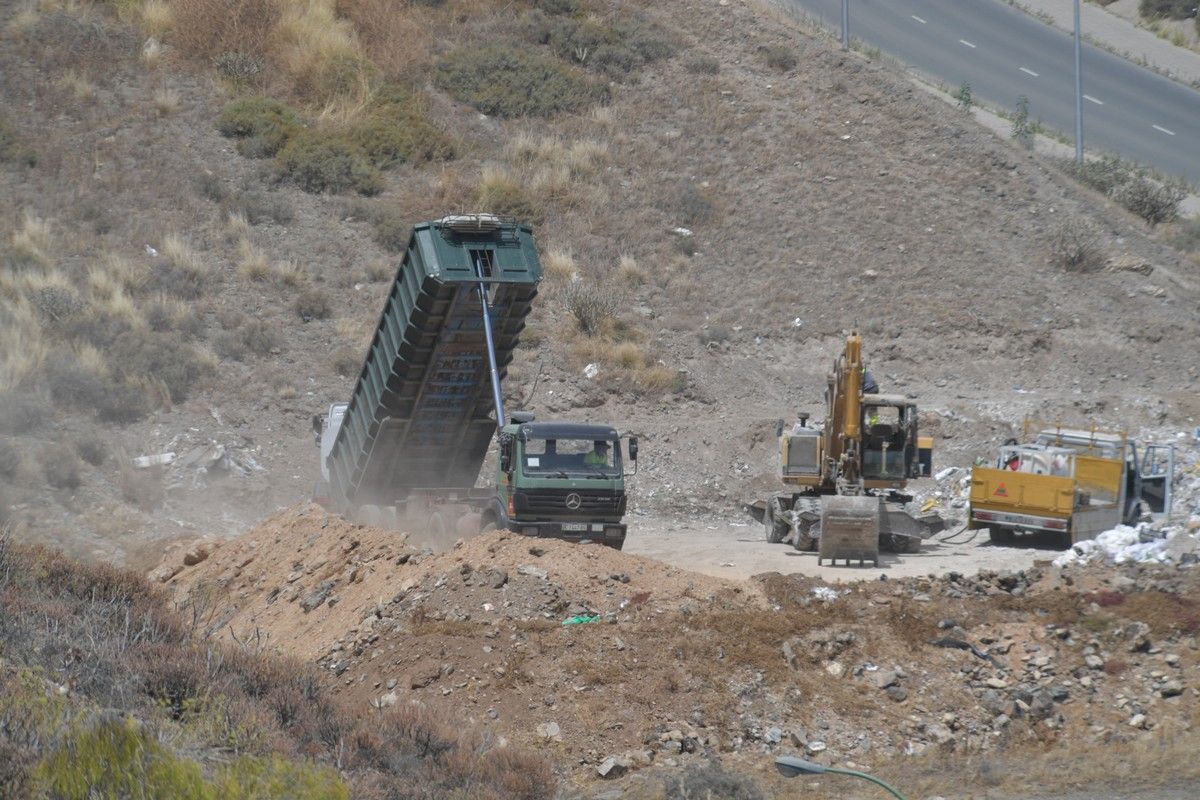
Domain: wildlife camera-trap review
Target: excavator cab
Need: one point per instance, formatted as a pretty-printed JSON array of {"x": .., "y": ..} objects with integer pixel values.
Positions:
[{"x": 889, "y": 438}]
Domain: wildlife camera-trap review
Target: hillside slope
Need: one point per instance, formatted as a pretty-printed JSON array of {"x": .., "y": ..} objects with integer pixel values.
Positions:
[{"x": 166, "y": 292}]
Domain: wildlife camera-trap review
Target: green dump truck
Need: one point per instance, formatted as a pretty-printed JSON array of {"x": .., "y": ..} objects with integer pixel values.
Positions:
[{"x": 408, "y": 447}]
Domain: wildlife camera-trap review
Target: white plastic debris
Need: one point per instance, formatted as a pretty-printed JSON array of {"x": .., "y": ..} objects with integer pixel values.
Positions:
[
  {"x": 797, "y": 322},
  {"x": 150, "y": 251},
  {"x": 591, "y": 371},
  {"x": 684, "y": 232},
  {"x": 825, "y": 594},
  {"x": 156, "y": 460}
]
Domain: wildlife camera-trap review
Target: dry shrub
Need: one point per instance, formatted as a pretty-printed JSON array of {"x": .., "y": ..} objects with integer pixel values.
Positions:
[
  {"x": 700, "y": 64},
  {"x": 61, "y": 466},
  {"x": 590, "y": 304},
  {"x": 313, "y": 304},
  {"x": 394, "y": 33},
  {"x": 31, "y": 244},
  {"x": 207, "y": 29},
  {"x": 260, "y": 207},
  {"x": 22, "y": 413},
  {"x": 346, "y": 361},
  {"x": 289, "y": 273},
  {"x": 1074, "y": 248},
  {"x": 180, "y": 271},
  {"x": 166, "y": 101},
  {"x": 92, "y": 449},
  {"x": 160, "y": 357},
  {"x": 13, "y": 147},
  {"x": 779, "y": 57},
  {"x": 393, "y": 130}
]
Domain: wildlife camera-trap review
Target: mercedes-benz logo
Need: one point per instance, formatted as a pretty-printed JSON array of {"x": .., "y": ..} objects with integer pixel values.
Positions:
[{"x": 573, "y": 501}]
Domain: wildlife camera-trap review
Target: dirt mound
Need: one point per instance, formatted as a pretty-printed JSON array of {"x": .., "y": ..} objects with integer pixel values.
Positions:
[
  {"x": 340, "y": 576},
  {"x": 608, "y": 662}
]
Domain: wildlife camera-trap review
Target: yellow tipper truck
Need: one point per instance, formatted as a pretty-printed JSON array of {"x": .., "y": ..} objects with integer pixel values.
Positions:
[{"x": 1075, "y": 483}]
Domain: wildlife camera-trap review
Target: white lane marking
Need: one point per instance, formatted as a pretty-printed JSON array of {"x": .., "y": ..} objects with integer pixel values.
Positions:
[
  {"x": 968, "y": 44},
  {"x": 1163, "y": 130},
  {"x": 1089, "y": 98},
  {"x": 918, "y": 19},
  {"x": 1028, "y": 71}
]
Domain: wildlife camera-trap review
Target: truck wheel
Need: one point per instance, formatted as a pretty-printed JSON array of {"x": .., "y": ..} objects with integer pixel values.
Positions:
[
  {"x": 775, "y": 527},
  {"x": 1001, "y": 535}
]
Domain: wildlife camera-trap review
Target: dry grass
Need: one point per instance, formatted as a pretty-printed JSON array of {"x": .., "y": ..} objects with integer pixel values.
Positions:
[
  {"x": 289, "y": 273},
  {"x": 252, "y": 262},
  {"x": 166, "y": 101},
  {"x": 77, "y": 86},
  {"x": 629, "y": 271},
  {"x": 32, "y": 243},
  {"x": 156, "y": 17},
  {"x": 22, "y": 343},
  {"x": 559, "y": 264}
]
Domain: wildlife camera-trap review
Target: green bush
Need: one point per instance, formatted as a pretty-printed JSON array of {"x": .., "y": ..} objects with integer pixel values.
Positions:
[
  {"x": 13, "y": 149},
  {"x": 267, "y": 779},
  {"x": 61, "y": 466},
  {"x": 1171, "y": 9},
  {"x": 313, "y": 304},
  {"x": 22, "y": 413},
  {"x": 395, "y": 132},
  {"x": 504, "y": 195},
  {"x": 261, "y": 125},
  {"x": 10, "y": 459},
  {"x": 615, "y": 49},
  {"x": 510, "y": 82},
  {"x": 92, "y": 449},
  {"x": 1155, "y": 201},
  {"x": 319, "y": 162},
  {"x": 779, "y": 57},
  {"x": 164, "y": 357}
]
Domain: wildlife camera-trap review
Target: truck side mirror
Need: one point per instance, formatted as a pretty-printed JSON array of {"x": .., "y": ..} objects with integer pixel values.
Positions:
[
  {"x": 316, "y": 423},
  {"x": 633, "y": 448},
  {"x": 506, "y": 448}
]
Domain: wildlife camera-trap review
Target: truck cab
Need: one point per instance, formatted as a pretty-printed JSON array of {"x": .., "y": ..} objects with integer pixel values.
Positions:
[{"x": 563, "y": 480}]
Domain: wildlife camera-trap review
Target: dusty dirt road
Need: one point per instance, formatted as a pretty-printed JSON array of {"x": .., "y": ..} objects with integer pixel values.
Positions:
[{"x": 730, "y": 548}]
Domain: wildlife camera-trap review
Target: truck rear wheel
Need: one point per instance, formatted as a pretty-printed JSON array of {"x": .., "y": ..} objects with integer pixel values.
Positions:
[{"x": 1000, "y": 535}]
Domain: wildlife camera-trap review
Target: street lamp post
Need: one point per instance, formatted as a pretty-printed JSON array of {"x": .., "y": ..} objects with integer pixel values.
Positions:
[
  {"x": 845, "y": 24},
  {"x": 790, "y": 767},
  {"x": 1078, "y": 91}
]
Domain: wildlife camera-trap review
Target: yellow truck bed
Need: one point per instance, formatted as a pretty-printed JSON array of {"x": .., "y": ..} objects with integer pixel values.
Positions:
[{"x": 1022, "y": 492}]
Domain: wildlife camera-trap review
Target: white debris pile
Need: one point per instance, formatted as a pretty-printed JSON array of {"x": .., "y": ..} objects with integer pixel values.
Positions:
[
  {"x": 952, "y": 491},
  {"x": 189, "y": 462},
  {"x": 1174, "y": 539}
]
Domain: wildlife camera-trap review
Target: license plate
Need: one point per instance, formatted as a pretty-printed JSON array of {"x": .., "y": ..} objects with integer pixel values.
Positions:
[{"x": 574, "y": 526}]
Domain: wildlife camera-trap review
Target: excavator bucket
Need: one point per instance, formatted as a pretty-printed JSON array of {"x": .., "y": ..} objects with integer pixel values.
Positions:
[{"x": 850, "y": 529}]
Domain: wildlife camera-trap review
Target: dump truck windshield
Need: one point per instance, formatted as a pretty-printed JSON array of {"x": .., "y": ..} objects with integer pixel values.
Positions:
[{"x": 585, "y": 457}]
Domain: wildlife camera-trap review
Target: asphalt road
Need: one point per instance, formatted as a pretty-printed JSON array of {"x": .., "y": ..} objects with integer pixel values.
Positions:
[{"x": 1004, "y": 53}]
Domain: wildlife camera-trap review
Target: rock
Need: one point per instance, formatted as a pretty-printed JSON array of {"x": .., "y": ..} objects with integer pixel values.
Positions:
[
  {"x": 897, "y": 694},
  {"x": 940, "y": 733},
  {"x": 549, "y": 731},
  {"x": 1137, "y": 634},
  {"x": 812, "y": 748},
  {"x": 996, "y": 683},
  {"x": 533, "y": 572},
  {"x": 886, "y": 678},
  {"x": 1093, "y": 661},
  {"x": 613, "y": 767},
  {"x": 317, "y": 596},
  {"x": 1137, "y": 721},
  {"x": 198, "y": 552},
  {"x": 791, "y": 651},
  {"x": 537, "y": 552},
  {"x": 799, "y": 737},
  {"x": 642, "y": 758},
  {"x": 1171, "y": 689},
  {"x": 165, "y": 572},
  {"x": 775, "y": 735},
  {"x": 835, "y": 669},
  {"x": 497, "y": 578},
  {"x": 993, "y": 701},
  {"x": 423, "y": 677},
  {"x": 388, "y": 700}
]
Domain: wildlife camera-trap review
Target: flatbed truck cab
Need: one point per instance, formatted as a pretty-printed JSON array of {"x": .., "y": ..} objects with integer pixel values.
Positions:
[
  {"x": 1072, "y": 483},
  {"x": 563, "y": 480}
]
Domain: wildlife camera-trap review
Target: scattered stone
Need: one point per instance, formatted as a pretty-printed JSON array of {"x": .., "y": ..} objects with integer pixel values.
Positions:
[
  {"x": 423, "y": 677},
  {"x": 996, "y": 683},
  {"x": 886, "y": 678},
  {"x": 198, "y": 552},
  {"x": 775, "y": 735},
  {"x": 549, "y": 731},
  {"x": 533, "y": 572},
  {"x": 613, "y": 767},
  {"x": 897, "y": 693},
  {"x": 317, "y": 596},
  {"x": 498, "y": 578},
  {"x": 388, "y": 700},
  {"x": 1171, "y": 689}
]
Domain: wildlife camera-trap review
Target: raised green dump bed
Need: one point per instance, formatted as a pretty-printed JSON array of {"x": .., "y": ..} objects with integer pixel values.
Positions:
[{"x": 421, "y": 415}]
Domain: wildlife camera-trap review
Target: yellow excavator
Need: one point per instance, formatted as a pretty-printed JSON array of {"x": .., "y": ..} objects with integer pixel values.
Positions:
[{"x": 847, "y": 476}]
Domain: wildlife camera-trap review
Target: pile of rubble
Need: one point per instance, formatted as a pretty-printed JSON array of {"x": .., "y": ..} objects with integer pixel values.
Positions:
[{"x": 610, "y": 663}]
